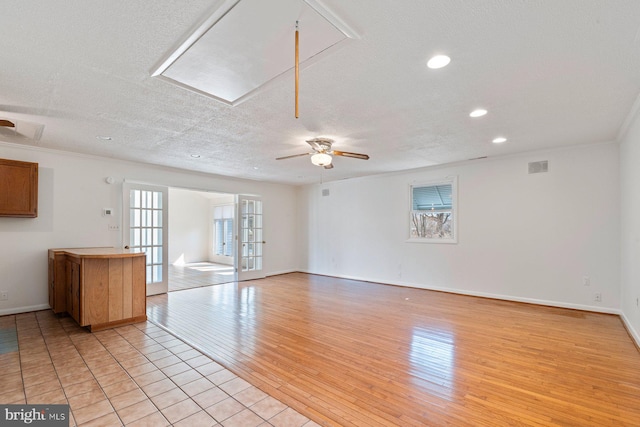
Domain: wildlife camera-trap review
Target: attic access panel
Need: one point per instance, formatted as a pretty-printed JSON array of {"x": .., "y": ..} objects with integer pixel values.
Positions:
[{"x": 247, "y": 44}]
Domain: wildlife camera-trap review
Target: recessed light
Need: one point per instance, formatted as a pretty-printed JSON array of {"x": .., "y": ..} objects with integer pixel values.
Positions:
[
  {"x": 438, "y": 61},
  {"x": 104, "y": 138},
  {"x": 499, "y": 140},
  {"x": 478, "y": 112},
  {"x": 255, "y": 168},
  {"x": 195, "y": 156}
]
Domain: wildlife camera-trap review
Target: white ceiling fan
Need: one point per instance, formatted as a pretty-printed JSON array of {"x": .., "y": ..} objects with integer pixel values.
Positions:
[{"x": 322, "y": 152}]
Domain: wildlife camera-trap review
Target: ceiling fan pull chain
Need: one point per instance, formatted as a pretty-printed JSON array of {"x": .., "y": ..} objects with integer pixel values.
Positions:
[{"x": 297, "y": 66}]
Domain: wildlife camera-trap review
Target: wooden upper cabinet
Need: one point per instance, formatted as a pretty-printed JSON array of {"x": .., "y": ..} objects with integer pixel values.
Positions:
[{"x": 18, "y": 189}]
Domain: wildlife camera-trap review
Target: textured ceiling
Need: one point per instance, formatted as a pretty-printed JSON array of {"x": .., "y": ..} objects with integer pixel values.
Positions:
[{"x": 551, "y": 73}]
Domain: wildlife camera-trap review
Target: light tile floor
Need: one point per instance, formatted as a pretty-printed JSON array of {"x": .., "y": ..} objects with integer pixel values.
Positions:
[{"x": 135, "y": 375}]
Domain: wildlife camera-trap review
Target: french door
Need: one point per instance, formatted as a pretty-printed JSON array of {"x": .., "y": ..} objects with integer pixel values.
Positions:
[
  {"x": 145, "y": 230},
  {"x": 249, "y": 222}
]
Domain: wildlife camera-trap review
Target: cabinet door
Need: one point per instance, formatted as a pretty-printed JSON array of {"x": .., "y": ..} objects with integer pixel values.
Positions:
[
  {"x": 95, "y": 291},
  {"x": 18, "y": 189},
  {"x": 60, "y": 284},
  {"x": 52, "y": 287},
  {"x": 73, "y": 289}
]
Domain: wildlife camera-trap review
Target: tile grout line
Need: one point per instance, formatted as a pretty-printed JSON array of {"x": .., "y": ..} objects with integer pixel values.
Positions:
[
  {"x": 44, "y": 339},
  {"x": 24, "y": 389},
  {"x": 196, "y": 347},
  {"x": 59, "y": 323},
  {"x": 190, "y": 397},
  {"x": 64, "y": 342},
  {"x": 97, "y": 337},
  {"x": 132, "y": 378}
]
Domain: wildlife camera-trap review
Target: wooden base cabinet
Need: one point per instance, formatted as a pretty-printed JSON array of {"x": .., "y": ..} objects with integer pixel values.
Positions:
[{"x": 98, "y": 287}]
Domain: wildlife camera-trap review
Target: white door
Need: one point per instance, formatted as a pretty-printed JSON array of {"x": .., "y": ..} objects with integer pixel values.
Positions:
[
  {"x": 248, "y": 261},
  {"x": 144, "y": 219}
]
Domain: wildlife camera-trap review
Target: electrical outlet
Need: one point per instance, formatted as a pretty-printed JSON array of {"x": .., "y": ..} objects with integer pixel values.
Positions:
[
  {"x": 586, "y": 281},
  {"x": 4, "y": 296},
  {"x": 114, "y": 227},
  {"x": 597, "y": 297}
]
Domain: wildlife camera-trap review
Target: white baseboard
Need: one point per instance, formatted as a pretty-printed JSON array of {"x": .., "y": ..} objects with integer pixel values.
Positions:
[
  {"x": 592, "y": 308},
  {"x": 27, "y": 309},
  {"x": 634, "y": 334},
  {"x": 277, "y": 273}
]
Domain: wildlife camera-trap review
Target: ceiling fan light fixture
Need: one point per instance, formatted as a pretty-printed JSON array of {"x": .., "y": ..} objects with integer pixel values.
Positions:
[
  {"x": 438, "y": 61},
  {"x": 479, "y": 112},
  {"x": 321, "y": 159}
]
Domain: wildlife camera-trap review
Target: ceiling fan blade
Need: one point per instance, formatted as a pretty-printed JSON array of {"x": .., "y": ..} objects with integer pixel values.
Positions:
[
  {"x": 295, "y": 155},
  {"x": 314, "y": 144},
  {"x": 329, "y": 166},
  {"x": 353, "y": 155},
  {"x": 7, "y": 123}
]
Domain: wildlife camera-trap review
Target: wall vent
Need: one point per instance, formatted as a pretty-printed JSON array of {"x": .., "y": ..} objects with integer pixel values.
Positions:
[
  {"x": 325, "y": 192},
  {"x": 20, "y": 130},
  {"x": 539, "y": 167}
]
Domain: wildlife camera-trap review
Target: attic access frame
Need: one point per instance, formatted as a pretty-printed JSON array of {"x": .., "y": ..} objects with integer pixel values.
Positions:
[{"x": 203, "y": 61}]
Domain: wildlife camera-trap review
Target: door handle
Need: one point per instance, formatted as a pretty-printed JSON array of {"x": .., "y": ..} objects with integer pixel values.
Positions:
[{"x": 126, "y": 247}]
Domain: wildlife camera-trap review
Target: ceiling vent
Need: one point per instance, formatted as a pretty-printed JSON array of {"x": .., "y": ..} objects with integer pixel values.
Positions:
[
  {"x": 245, "y": 45},
  {"x": 19, "y": 129},
  {"x": 539, "y": 167}
]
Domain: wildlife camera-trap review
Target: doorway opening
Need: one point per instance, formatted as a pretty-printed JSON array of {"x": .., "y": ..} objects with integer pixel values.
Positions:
[
  {"x": 201, "y": 238},
  {"x": 193, "y": 238}
]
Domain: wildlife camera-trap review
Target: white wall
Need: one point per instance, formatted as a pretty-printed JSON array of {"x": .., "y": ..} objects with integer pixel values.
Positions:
[
  {"x": 189, "y": 231},
  {"x": 521, "y": 237},
  {"x": 72, "y": 193},
  {"x": 630, "y": 224}
]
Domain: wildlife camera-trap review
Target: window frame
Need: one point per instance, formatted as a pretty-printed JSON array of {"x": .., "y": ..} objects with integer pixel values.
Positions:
[
  {"x": 224, "y": 216},
  {"x": 453, "y": 181},
  {"x": 218, "y": 236}
]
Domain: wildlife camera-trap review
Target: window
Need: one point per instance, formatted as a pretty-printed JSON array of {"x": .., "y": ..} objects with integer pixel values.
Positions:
[
  {"x": 433, "y": 212},
  {"x": 223, "y": 230},
  {"x": 224, "y": 237}
]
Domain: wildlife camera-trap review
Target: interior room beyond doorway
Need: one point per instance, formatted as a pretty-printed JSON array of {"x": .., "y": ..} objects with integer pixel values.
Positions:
[
  {"x": 198, "y": 274},
  {"x": 200, "y": 243}
]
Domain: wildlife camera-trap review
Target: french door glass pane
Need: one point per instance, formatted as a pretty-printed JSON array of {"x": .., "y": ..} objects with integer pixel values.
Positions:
[
  {"x": 135, "y": 199},
  {"x": 251, "y": 235},
  {"x": 146, "y": 230}
]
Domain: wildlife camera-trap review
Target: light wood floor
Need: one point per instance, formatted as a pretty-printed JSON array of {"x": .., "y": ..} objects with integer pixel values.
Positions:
[
  {"x": 353, "y": 353},
  {"x": 198, "y": 274}
]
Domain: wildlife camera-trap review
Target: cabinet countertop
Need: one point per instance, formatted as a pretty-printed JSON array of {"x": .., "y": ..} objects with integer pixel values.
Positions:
[{"x": 100, "y": 252}]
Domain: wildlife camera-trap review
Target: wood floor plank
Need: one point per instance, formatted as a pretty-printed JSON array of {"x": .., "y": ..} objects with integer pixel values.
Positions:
[{"x": 350, "y": 353}]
